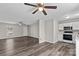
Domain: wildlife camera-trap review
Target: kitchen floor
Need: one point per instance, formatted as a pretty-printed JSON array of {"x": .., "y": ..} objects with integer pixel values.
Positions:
[{"x": 28, "y": 46}]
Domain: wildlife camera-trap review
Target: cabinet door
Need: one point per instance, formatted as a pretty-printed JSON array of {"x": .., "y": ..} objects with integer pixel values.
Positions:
[
  {"x": 67, "y": 24},
  {"x": 60, "y": 26},
  {"x": 75, "y": 25}
]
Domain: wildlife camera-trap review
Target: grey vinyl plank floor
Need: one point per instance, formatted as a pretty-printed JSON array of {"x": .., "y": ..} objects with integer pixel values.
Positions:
[{"x": 29, "y": 46}]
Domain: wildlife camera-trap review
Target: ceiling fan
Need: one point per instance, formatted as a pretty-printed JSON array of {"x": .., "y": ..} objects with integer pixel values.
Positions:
[{"x": 40, "y": 7}]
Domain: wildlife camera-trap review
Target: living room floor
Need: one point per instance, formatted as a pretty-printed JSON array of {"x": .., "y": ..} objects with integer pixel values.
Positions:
[{"x": 29, "y": 46}]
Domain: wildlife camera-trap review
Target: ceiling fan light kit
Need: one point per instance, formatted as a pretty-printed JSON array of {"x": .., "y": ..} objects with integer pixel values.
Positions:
[{"x": 40, "y": 7}]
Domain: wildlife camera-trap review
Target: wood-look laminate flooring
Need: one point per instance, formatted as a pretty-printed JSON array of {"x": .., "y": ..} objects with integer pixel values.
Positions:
[{"x": 28, "y": 46}]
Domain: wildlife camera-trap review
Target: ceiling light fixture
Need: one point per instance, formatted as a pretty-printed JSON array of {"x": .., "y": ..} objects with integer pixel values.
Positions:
[{"x": 40, "y": 8}]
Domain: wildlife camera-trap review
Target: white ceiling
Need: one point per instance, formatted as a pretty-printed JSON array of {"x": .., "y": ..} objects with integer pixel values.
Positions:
[{"x": 17, "y": 12}]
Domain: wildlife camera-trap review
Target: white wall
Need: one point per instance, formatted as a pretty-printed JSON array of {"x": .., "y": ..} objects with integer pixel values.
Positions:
[
  {"x": 2, "y": 30},
  {"x": 55, "y": 31},
  {"x": 51, "y": 31},
  {"x": 48, "y": 31},
  {"x": 17, "y": 30},
  {"x": 25, "y": 30},
  {"x": 34, "y": 30},
  {"x": 42, "y": 31}
]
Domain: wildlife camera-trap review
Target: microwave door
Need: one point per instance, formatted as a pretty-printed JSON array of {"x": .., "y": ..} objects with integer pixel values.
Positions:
[{"x": 67, "y": 28}]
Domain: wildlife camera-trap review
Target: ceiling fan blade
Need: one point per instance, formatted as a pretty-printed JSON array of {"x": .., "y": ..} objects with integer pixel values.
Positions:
[
  {"x": 30, "y": 4},
  {"x": 50, "y": 7},
  {"x": 35, "y": 11},
  {"x": 44, "y": 12}
]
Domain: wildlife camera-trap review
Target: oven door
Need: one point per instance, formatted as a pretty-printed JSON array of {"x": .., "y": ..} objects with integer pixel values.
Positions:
[
  {"x": 67, "y": 37},
  {"x": 68, "y": 32}
]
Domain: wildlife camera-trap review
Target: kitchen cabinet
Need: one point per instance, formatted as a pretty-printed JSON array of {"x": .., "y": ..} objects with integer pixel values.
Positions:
[
  {"x": 75, "y": 25},
  {"x": 61, "y": 26},
  {"x": 67, "y": 24}
]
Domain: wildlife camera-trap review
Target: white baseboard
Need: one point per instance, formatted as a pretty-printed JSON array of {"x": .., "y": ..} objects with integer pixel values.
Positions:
[
  {"x": 9, "y": 37},
  {"x": 51, "y": 41},
  {"x": 41, "y": 41}
]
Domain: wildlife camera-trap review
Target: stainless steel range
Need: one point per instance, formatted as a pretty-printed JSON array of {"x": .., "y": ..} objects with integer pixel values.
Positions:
[{"x": 68, "y": 34}]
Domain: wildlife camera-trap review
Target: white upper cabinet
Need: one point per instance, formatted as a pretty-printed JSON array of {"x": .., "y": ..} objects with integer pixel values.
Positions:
[
  {"x": 60, "y": 26},
  {"x": 75, "y": 25},
  {"x": 67, "y": 24}
]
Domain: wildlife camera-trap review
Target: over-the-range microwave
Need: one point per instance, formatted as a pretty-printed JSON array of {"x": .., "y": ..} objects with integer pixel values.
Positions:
[{"x": 68, "y": 28}]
